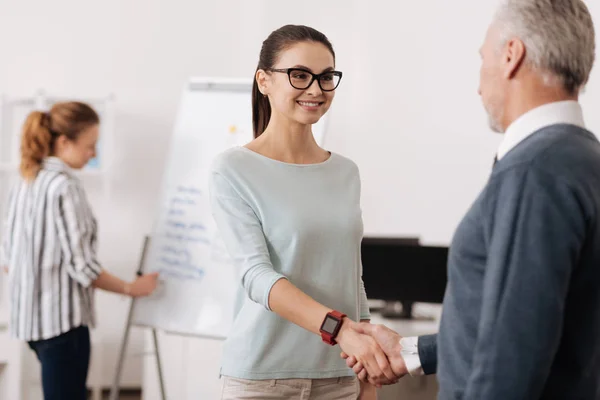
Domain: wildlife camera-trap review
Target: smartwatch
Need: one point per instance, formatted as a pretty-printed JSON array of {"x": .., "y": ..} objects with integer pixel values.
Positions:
[{"x": 331, "y": 326}]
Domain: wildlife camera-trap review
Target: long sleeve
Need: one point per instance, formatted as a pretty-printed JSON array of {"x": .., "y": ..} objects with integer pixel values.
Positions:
[
  {"x": 534, "y": 228},
  {"x": 420, "y": 354},
  {"x": 76, "y": 234},
  {"x": 5, "y": 246},
  {"x": 8, "y": 229},
  {"x": 427, "y": 353},
  {"x": 364, "y": 311},
  {"x": 363, "y": 302},
  {"x": 245, "y": 241}
]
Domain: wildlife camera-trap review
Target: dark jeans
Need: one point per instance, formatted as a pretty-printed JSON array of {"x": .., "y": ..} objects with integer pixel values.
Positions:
[{"x": 65, "y": 360}]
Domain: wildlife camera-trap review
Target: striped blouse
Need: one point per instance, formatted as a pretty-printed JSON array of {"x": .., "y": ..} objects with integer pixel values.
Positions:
[{"x": 49, "y": 247}]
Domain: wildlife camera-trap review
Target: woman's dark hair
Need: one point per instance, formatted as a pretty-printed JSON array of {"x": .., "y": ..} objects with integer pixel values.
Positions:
[
  {"x": 278, "y": 41},
  {"x": 41, "y": 129}
]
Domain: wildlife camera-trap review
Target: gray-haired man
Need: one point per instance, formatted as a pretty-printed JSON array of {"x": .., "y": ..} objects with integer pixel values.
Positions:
[{"x": 521, "y": 316}]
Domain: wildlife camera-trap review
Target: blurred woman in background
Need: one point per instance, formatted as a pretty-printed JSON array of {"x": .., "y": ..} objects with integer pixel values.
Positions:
[{"x": 50, "y": 245}]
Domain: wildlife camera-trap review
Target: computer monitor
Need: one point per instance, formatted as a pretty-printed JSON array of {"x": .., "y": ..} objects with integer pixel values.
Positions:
[{"x": 401, "y": 270}]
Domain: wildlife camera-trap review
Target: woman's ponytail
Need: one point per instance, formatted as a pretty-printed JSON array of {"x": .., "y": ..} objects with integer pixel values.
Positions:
[{"x": 36, "y": 142}]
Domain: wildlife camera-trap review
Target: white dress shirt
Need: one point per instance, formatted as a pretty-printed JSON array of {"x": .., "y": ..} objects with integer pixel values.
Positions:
[{"x": 560, "y": 112}]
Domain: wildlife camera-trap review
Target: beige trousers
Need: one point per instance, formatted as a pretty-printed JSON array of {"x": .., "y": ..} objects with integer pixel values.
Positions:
[{"x": 345, "y": 388}]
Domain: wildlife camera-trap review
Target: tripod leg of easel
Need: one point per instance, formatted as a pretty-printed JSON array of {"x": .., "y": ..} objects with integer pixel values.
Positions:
[
  {"x": 159, "y": 366},
  {"x": 114, "y": 392}
]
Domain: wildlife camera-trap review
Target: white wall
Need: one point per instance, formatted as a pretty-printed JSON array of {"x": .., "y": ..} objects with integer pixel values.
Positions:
[
  {"x": 407, "y": 110},
  {"x": 143, "y": 52}
]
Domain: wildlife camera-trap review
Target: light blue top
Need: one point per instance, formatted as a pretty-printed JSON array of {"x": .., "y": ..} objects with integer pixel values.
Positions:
[{"x": 300, "y": 222}]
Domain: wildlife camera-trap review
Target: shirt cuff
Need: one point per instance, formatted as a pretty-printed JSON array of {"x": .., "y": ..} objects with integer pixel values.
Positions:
[
  {"x": 274, "y": 279},
  {"x": 410, "y": 354}
]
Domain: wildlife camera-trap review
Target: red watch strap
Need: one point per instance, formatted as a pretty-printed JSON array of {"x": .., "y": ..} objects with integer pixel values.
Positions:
[{"x": 327, "y": 337}]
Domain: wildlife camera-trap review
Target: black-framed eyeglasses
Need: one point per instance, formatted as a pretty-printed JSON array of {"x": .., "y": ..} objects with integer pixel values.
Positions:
[{"x": 301, "y": 79}]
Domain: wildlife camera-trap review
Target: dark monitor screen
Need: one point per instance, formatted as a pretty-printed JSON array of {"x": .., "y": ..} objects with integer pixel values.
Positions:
[{"x": 399, "y": 269}]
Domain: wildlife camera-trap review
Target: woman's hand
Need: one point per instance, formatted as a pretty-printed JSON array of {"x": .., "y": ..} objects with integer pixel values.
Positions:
[
  {"x": 143, "y": 286},
  {"x": 367, "y": 392}
]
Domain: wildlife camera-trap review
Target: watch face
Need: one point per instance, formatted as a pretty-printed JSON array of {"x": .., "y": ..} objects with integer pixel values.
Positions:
[{"x": 330, "y": 324}]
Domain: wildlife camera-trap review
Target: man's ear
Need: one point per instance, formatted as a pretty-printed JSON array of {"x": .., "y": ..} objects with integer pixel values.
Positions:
[{"x": 513, "y": 57}]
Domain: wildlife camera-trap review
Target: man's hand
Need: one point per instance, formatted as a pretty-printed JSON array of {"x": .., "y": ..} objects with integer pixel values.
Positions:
[
  {"x": 388, "y": 340},
  {"x": 5, "y": 269},
  {"x": 377, "y": 369}
]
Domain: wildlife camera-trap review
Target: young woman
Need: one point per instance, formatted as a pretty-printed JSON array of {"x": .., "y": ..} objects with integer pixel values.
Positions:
[
  {"x": 289, "y": 212},
  {"x": 49, "y": 249}
]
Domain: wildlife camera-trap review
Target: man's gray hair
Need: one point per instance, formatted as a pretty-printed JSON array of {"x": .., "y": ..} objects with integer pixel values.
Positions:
[{"x": 558, "y": 37}]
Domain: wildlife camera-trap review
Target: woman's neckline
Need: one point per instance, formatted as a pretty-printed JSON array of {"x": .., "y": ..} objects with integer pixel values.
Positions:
[{"x": 258, "y": 155}]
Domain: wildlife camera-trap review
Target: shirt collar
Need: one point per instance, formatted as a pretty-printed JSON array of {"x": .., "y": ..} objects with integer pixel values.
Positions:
[
  {"x": 55, "y": 164},
  {"x": 560, "y": 112}
]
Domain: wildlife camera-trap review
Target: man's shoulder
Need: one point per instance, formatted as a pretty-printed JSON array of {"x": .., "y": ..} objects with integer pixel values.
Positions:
[{"x": 560, "y": 152}]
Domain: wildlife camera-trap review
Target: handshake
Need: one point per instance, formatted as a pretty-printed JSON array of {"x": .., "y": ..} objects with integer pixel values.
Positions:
[{"x": 372, "y": 351}]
